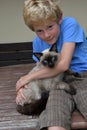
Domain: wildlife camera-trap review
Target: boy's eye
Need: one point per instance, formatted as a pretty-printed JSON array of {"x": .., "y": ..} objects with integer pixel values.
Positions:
[
  {"x": 50, "y": 26},
  {"x": 39, "y": 31}
]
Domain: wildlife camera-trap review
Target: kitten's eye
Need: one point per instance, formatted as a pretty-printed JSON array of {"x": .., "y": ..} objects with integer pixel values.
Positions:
[
  {"x": 44, "y": 62},
  {"x": 54, "y": 58}
]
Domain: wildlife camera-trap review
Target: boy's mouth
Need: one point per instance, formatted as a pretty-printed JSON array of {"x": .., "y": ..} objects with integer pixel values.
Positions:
[{"x": 50, "y": 40}]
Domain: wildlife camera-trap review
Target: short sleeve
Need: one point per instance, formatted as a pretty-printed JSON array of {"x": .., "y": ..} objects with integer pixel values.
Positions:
[{"x": 72, "y": 31}]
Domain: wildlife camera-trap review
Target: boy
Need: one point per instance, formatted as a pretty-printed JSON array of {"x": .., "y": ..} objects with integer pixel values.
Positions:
[{"x": 44, "y": 17}]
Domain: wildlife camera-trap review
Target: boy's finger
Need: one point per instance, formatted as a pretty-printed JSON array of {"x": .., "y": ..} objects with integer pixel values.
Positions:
[
  {"x": 17, "y": 87},
  {"x": 16, "y": 100},
  {"x": 21, "y": 94},
  {"x": 25, "y": 86}
]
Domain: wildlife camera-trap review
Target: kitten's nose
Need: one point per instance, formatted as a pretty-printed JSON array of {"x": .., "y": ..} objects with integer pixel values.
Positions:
[{"x": 51, "y": 65}]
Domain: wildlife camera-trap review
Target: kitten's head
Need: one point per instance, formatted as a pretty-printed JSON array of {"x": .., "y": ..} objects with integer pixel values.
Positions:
[{"x": 48, "y": 58}]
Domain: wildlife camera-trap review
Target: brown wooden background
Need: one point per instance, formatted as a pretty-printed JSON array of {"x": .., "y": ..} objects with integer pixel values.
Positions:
[{"x": 15, "y": 53}]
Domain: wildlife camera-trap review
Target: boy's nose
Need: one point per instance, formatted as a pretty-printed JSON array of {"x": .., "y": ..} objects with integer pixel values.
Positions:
[{"x": 46, "y": 33}]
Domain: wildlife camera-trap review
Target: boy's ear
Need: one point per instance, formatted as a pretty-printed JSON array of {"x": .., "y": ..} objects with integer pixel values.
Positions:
[
  {"x": 38, "y": 55},
  {"x": 53, "y": 48}
]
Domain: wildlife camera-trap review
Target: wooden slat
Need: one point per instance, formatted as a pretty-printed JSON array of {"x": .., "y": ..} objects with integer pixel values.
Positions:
[
  {"x": 15, "y": 46},
  {"x": 10, "y": 119},
  {"x": 16, "y": 55},
  {"x": 15, "y": 62}
]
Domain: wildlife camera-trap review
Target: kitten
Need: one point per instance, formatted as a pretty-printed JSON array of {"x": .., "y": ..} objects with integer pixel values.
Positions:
[{"x": 38, "y": 90}]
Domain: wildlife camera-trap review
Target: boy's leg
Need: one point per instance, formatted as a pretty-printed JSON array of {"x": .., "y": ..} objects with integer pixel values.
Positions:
[
  {"x": 58, "y": 111},
  {"x": 81, "y": 96}
]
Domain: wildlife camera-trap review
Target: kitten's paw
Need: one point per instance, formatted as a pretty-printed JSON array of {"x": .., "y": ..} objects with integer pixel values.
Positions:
[{"x": 72, "y": 90}]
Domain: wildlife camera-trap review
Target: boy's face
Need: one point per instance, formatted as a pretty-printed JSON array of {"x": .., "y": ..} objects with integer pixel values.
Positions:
[{"x": 47, "y": 31}]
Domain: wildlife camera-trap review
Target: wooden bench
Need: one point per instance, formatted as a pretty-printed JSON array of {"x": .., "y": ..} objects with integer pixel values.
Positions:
[{"x": 10, "y": 119}]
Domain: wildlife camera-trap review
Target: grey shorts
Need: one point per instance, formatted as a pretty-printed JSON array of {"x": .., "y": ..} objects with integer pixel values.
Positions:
[{"x": 60, "y": 105}]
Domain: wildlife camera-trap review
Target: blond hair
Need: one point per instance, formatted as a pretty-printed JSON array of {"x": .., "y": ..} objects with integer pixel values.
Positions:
[{"x": 36, "y": 11}]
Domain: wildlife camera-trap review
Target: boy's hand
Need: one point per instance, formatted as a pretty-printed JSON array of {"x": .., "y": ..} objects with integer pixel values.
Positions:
[
  {"x": 20, "y": 94},
  {"x": 22, "y": 82}
]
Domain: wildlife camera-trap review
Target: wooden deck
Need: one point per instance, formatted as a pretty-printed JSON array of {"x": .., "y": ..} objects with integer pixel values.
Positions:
[{"x": 10, "y": 119}]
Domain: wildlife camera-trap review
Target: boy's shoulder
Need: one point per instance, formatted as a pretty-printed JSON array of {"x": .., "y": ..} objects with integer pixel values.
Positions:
[
  {"x": 37, "y": 40},
  {"x": 69, "y": 20},
  {"x": 40, "y": 44}
]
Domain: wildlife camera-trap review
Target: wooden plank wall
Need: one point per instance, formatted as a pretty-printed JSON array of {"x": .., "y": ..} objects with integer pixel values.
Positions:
[{"x": 15, "y": 53}]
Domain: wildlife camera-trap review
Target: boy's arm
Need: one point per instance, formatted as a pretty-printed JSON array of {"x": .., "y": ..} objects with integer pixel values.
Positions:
[{"x": 63, "y": 65}]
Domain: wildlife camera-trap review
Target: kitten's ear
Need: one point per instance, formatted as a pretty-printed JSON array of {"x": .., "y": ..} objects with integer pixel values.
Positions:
[
  {"x": 54, "y": 48},
  {"x": 38, "y": 55}
]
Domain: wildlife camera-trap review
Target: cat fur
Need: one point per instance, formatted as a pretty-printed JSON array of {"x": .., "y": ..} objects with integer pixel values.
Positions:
[{"x": 38, "y": 90}]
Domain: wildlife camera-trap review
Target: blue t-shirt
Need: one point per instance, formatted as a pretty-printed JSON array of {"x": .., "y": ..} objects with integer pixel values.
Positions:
[{"x": 70, "y": 31}]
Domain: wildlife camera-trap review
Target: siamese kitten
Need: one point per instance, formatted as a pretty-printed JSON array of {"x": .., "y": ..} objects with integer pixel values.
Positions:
[{"x": 38, "y": 90}]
